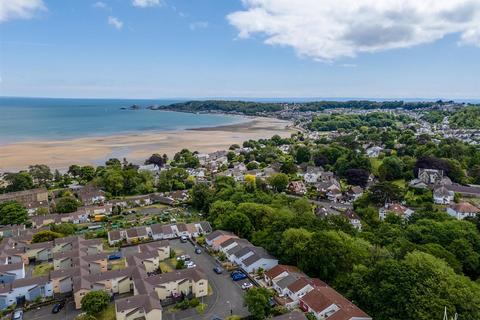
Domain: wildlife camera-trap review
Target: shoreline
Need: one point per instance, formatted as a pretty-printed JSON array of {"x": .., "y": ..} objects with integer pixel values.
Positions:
[{"x": 136, "y": 147}]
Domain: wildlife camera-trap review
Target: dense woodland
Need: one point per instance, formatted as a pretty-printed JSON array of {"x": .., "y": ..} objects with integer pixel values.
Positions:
[
  {"x": 466, "y": 118},
  {"x": 248, "y": 108},
  {"x": 252, "y": 108}
]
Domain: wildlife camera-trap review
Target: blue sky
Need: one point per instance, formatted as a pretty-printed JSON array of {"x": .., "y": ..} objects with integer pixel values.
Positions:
[{"x": 233, "y": 48}]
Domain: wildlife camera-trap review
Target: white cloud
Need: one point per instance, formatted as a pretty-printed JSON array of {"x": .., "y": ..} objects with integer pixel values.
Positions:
[
  {"x": 198, "y": 25},
  {"x": 147, "y": 3},
  {"x": 19, "y": 9},
  {"x": 327, "y": 29},
  {"x": 99, "y": 4},
  {"x": 115, "y": 22}
]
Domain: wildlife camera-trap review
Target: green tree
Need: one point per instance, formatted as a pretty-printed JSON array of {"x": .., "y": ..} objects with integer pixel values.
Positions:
[
  {"x": 392, "y": 168},
  {"x": 66, "y": 229},
  {"x": 87, "y": 173},
  {"x": 12, "y": 212},
  {"x": 41, "y": 173},
  {"x": 333, "y": 253},
  {"x": 257, "y": 301},
  {"x": 236, "y": 222},
  {"x": 383, "y": 192},
  {"x": 113, "y": 181},
  {"x": 202, "y": 197},
  {"x": 293, "y": 244},
  {"x": 45, "y": 235},
  {"x": 95, "y": 301},
  {"x": 278, "y": 181},
  {"x": 18, "y": 181},
  {"x": 67, "y": 205},
  {"x": 302, "y": 154},
  {"x": 419, "y": 286},
  {"x": 220, "y": 208}
]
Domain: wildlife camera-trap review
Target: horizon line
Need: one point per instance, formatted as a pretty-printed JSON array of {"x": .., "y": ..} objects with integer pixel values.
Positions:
[{"x": 276, "y": 99}]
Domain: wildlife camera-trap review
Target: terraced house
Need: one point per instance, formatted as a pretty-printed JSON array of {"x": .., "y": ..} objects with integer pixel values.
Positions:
[{"x": 81, "y": 266}]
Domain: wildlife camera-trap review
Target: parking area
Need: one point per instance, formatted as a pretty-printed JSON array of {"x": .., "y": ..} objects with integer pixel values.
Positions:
[
  {"x": 227, "y": 296},
  {"x": 45, "y": 313}
]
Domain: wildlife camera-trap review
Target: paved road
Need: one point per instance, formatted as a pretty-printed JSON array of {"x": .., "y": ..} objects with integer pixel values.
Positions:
[
  {"x": 45, "y": 313},
  {"x": 325, "y": 203},
  {"x": 227, "y": 297}
]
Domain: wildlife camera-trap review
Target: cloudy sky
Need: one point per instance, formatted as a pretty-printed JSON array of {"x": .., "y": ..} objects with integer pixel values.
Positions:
[{"x": 240, "y": 48}]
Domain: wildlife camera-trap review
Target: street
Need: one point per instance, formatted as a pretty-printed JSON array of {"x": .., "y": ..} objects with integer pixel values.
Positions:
[{"x": 227, "y": 297}]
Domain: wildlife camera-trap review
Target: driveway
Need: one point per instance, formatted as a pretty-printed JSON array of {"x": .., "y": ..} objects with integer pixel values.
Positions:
[
  {"x": 227, "y": 297},
  {"x": 45, "y": 313}
]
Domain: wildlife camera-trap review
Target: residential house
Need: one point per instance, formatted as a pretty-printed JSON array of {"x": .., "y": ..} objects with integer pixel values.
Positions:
[
  {"x": 396, "y": 209},
  {"x": 115, "y": 237},
  {"x": 462, "y": 210},
  {"x": 248, "y": 256},
  {"x": 89, "y": 195},
  {"x": 374, "y": 152},
  {"x": 11, "y": 272},
  {"x": 353, "y": 218},
  {"x": 101, "y": 209},
  {"x": 297, "y": 187},
  {"x": 279, "y": 272},
  {"x": 294, "y": 315},
  {"x": 136, "y": 234},
  {"x": 215, "y": 235},
  {"x": 26, "y": 289},
  {"x": 354, "y": 193},
  {"x": 143, "y": 306},
  {"x": 442, "y": 195},
  {"x": 30, "y": 199},
  {"x": 430, "y": 176},
  {"x": 324, "y": 303},
  {"x": 312, "y": 174}
]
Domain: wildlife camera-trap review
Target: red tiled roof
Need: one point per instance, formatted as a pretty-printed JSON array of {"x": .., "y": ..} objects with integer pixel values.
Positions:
[
  {"x": 279, "y": 269},
  {"x": 321, "y": 298}
]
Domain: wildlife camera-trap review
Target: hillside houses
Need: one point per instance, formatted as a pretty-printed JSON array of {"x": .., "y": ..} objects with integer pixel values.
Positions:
[
  {"x": 80, "y": 266},
  {"x": 441, "y": 195},
  {"x": 241, "y": 252},
  {"x": 159, "y": 232},
  {"x": 32, "y": 200},
  {"x": 462, "y": 210},
  {"x": 295, "y": 289},
  {"x": 396, "y": 209}
]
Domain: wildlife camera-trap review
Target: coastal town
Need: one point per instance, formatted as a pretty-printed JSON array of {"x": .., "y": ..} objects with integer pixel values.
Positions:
[{"x": 276, "y": 228}]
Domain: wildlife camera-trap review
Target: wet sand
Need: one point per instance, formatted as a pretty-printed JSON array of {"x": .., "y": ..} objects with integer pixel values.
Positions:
[{"x": 135, "y": 147}]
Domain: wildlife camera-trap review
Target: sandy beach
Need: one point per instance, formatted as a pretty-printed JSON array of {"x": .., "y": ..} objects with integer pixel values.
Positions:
[{"x": 135, "y": 147}]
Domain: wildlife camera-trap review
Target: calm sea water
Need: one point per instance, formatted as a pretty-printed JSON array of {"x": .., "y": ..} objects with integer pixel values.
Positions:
[{"x": 23, "y": 119}]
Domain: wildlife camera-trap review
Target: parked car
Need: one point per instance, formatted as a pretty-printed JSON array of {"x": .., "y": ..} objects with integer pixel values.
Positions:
[
  {"x": 239, "y": 276},
  {"x": 58, "y": 306},
  {"x": 184, "y": 257},
  {"x": 115, "y": 256},
  {"x": 247, "y": 285},
  {"x": 190, "y": 264},
  {"x": 17, "y": 314},
  {"x": 183, "y": 239},
  {"x": 198, "y": 250},
  {"x": 218, "y": 270}
]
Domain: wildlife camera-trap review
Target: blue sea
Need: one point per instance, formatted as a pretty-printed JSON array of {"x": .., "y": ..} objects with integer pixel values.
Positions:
[{"x": 26, "y": 119}]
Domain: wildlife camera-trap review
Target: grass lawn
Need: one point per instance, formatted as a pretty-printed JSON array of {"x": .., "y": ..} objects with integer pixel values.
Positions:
[
  {"x": 475, "y": 201},
  {"x": 42, "y": 269},
  {"x": 399, "y": 182},
  {"x": 375, "y": 165},
  {"x": 107, "y": 314},
  {"x": 165, "y": 267},
  {"x": 119, "y": 264}
]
